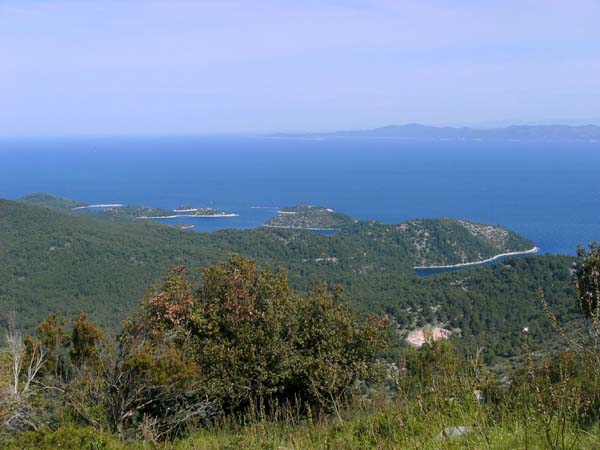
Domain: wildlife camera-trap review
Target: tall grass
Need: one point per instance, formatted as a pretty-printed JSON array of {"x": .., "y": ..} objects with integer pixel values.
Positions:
[{"x": 427, "y": 393}]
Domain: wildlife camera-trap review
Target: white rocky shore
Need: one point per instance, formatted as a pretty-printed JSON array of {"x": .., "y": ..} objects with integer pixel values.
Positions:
[
  {"x": 193, "y": 216},
  {"x": 475, "y": 263},
  {"x": 300, "y": 228},
  {"x": 107, "y": 205}
]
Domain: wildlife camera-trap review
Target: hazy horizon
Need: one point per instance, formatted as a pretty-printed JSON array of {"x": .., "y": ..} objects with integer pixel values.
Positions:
[
  {"x": 220, "y": 67},
  {"x": 274, "y": 133}
]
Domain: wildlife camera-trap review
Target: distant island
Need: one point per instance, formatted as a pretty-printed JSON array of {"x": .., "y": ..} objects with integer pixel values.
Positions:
[
  {"x": 306, "y": 217},
  {"x": 186, "y": 212},
  {"x": 590, "y": 133}
]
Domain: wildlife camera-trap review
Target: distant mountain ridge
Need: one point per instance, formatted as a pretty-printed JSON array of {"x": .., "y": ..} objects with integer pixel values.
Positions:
[{"x": 426, "y": 132}]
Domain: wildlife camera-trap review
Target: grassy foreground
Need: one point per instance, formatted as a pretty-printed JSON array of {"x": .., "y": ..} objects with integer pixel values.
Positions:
[{"x": 391, "y": 428}]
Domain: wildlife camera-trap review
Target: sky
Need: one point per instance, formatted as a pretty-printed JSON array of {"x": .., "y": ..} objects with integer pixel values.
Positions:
[{"x": 73, "y": 67}]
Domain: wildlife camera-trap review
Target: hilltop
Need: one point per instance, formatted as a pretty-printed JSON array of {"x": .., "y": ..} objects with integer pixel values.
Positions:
[
  {"x": 52, "y": 201},
  {"x": 469, "y": 241}
]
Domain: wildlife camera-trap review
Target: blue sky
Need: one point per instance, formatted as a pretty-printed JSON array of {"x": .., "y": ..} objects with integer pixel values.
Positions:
[{"x": 183, "y": 66}]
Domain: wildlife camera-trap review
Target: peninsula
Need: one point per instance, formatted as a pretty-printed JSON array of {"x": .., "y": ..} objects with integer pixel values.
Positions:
[
  {"x": 188, "y": 212},
  {"x": 121, "y": 212}
]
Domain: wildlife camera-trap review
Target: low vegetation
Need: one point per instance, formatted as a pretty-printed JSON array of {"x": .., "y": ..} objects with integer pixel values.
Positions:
[
  {"x": 242, "y": 339},
  {"x": 239, "y": 360}
]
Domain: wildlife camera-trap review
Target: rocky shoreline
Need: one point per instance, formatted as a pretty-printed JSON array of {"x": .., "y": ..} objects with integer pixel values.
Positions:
[{"x": 476, "y": 263}]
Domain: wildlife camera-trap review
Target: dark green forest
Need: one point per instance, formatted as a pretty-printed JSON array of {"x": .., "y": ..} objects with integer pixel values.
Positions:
[{"x": 52, "y": 261}]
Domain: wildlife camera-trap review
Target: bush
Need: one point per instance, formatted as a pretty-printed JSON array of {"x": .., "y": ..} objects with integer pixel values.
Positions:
[
  {"x": 588, "y": 281},
  {"x": 243, "y": 336}
]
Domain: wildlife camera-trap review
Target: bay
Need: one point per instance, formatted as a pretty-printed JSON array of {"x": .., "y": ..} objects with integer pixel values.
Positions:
[{"x": 546, "y": 191}]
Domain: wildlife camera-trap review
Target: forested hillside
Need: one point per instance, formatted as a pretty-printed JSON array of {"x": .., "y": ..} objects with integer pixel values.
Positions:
[{"x": 60, "y": 263}]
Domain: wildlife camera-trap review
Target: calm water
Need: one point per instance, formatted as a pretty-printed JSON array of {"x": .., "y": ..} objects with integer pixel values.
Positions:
[{"x": 549, "y": 192}]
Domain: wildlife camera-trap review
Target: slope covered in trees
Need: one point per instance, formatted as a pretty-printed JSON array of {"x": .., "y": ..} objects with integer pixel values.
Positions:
[
  {"x": 424, "y": 241},
  {"x": 56, "y": 262}
]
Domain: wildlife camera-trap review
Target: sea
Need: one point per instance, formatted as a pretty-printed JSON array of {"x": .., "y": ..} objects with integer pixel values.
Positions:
[{"x": 548, "y": 192}]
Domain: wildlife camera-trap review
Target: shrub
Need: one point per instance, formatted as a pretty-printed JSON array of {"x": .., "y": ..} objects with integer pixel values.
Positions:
[
  {"x": 243, "y": 335},
  {"x": 588, "y": 281}
]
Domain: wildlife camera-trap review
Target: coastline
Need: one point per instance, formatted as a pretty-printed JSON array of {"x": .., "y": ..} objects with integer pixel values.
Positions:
[
  {"x": 193, "y": 216},
  {"x": 301, "y": 228},
  {"x": 109, "y": 205},
  {"x": 476, "y": 263}
]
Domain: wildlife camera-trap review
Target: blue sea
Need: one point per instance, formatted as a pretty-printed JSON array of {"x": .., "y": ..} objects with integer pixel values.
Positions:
[{"x": 546, "y": 191}]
